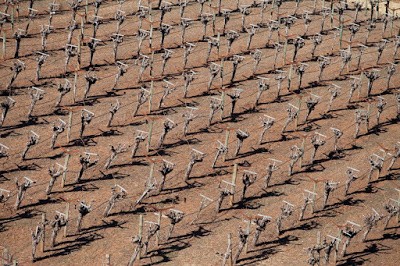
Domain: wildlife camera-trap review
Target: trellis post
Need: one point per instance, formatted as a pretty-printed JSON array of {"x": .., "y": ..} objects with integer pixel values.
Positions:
[
  {"x": 159, "y": 214},
  {"x": 4, "y": 46},
  {"x": 299, "y": 98},
  {"x": 263, "y": 5},
  {"x": 142, "y": 35},
  {"x": 205, "y": 201},
  {"x": 150, "y": 134},
  {"x": 228, "y": 253},
  {"x": 272, "y": 9},
  {"x": 226, "y": 142},
  {"x": 80, "y": 40},
  {"x": 234, "y": 176},
  {"x": 284, "y": 51},
  {"x": 221, "y": 149},
  {"x": 108, "y": 260},
  {"x": 302, "y": 147},
  {"x": 151, "y": 26},
  {"x": 244, "y": 9},
  {"x": 66, "y": 218},
  {"x": 69, "y": 125},
  {"x": 86, "y": 9},
  {"x": 64, "y": 175},
  {"x": 42, "y": 243},
  {"x": 151, "y": 95},
  {"x": 140, "y": 233},
  {"x": 246, "y": 246},
  {"x": 185, "y": 22}
]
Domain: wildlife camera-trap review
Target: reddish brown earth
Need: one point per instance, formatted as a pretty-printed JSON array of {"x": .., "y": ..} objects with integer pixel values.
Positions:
[{"x": 197, "y": 243}]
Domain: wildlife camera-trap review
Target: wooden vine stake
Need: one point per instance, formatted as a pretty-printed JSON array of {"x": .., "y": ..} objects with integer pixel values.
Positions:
[
  {"x": 227, "y": 134},
  {"x": 69, "y": 125},
  {"x": 221, "y": 150},
  {"x": 42, "y": 243},
  {"x": 66, "y": 218},
  {"x": 234, "y": 176},
  {"x": 151, "y": 124},
  {"x": 205, "y": 201},
  {"x": 228, "y": 253},
  {"x": 159, "y": 214},
  {"x": 64, "y": 174},
  {"x": 4, "y": 46},
  {"x": 140, "y": 229}
]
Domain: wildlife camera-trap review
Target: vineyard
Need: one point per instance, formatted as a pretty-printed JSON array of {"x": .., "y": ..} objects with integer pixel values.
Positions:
[{"x": 199, "y": 132}]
